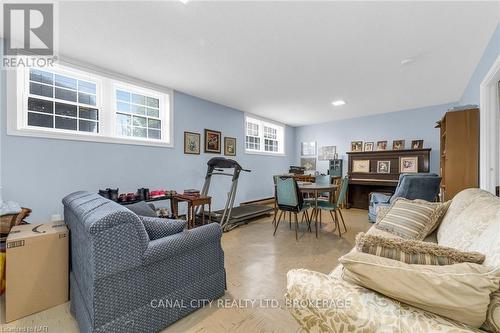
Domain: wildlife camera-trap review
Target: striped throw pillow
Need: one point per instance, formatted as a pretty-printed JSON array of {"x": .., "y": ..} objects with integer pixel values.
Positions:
[
  {"x": 414, "y": 252},
  {"x": 411, "y": 219}
]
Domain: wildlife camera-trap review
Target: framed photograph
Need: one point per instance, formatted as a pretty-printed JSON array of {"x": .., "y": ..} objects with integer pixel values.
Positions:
[
  {"x": 229, "y": 146},
  {"x": 361, "y": 166},
  {"x": 417, "y": 144},
  {"x": 381, "y": 145},
  {"x": 327, "y": 153},
  {"x": 192, "y": 143},
  {"x": 408, "y": 164},
  {"x": 383, "y": 166},
  {"x": 398, "y": 144},
  {"x": 309, "y": 163},
  {"x": 369, "y": 146},
  {"x": 212, "y": 141},
  {"x": 308, "y": 148},
  {"x": 357, "y": 146}
]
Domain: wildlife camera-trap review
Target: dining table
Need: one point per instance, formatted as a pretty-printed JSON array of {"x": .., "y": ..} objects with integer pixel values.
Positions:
[{"x": 315, "y": 189}]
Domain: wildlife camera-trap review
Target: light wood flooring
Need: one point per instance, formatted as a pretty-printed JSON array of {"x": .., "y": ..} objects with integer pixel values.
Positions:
[{"x": 256, "y": 265}]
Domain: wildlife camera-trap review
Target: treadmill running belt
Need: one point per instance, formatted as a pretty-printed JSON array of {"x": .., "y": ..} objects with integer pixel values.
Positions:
[{"x": 240, "y": 212}]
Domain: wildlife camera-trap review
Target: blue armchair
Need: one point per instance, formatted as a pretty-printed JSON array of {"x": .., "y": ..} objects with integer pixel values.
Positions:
[
  {"x": 137, "y": 274},
  {"x": 411, "y": 186}
]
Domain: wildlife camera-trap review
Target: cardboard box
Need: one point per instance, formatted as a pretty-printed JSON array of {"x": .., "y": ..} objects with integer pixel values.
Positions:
[{"x": 37, "y": 269}]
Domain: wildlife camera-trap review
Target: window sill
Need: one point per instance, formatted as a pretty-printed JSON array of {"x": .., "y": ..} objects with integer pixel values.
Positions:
[
  {"x": 253, "y": 152},
  {"x": 36, "y": 133}
]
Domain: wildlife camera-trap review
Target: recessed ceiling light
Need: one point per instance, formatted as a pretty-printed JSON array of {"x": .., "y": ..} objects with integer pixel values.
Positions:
[
  {"x": 407, "y": 61},
  {"x": 338, "y": 103},
  {"x": 184, "y": 1}
]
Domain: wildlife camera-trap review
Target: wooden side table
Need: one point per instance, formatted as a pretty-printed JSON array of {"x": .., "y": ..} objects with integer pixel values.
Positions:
[{"x": 193, "y": 203}]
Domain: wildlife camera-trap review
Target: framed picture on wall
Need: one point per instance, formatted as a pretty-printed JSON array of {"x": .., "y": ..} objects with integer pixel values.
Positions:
[
  {"x": 192, "y": 143},
  {"x": 308, "y": 148},
  {"x": 327, "y": 153},
  {"x": 229, "y": 146},
  {"x": 381, "y": 145},
  {"x": 212, "y": 141},
  {"x": 361, "y": 166},
  {"x": 383, "y": 166},
  {"x": 408, "y": 164},
  {"x": 369, "y": 146},
  {"x": 309, "y": 163}
]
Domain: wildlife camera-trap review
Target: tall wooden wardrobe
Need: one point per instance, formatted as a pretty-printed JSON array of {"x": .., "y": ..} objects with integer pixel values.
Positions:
[{"x": 459, "y": 132}]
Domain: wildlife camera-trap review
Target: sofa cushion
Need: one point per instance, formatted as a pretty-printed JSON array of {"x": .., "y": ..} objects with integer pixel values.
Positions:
[
  {"x": 460, "y": 292},
  {"x": 359, "y": 310},
  {"x": 414, "y": 252},
  {"x": 410, "y": 219},
  {"x": 142, "y": 208},
  {"x": 470, "y": 213}
]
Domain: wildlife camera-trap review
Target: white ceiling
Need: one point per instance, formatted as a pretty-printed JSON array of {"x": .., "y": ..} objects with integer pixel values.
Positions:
[{"x": 288, "y": 60}]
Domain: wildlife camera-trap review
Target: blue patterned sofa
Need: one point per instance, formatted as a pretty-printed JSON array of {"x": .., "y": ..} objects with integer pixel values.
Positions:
[{"x": 137, "y": 274}]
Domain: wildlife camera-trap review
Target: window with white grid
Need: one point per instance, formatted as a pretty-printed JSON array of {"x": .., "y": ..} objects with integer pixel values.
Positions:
[
  {"x": 61, "y": 102},
  {"x": 252, "y": 136},
  {"x": 264, "y": 137},
  {"x": 65, "y": 102}
]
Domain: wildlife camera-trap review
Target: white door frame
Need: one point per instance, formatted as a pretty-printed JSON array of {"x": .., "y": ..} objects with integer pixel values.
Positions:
[{"x": 489, "y": 129}]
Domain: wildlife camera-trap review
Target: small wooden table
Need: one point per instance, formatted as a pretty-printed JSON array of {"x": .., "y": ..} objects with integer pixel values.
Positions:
[{"x": 193, "y": 203}]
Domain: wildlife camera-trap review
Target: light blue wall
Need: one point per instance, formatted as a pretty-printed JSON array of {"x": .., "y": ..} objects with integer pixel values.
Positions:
[
  {"x": 492, "y": 51},
  {"x": 38, "y": 173},
  {"x": 408, "y": 125}
]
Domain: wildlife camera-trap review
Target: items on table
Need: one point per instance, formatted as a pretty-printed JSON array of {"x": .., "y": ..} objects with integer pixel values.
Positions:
[
  {"x": 192, "y": 192},
  {"x": 142, "y": 194}
]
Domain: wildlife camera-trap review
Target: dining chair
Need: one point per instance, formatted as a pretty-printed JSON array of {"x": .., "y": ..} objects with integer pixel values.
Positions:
[
  {"x": 289, "y": 199},
  {"x": 334, "y": 207},
  {"x": 321, "y": 180}
]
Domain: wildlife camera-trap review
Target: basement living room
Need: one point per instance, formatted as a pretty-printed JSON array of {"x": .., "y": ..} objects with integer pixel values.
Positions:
[{"x": 250, "y": 166}]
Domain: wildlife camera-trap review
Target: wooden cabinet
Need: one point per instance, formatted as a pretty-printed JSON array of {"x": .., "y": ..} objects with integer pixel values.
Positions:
[{"x": 459, "y": 133}]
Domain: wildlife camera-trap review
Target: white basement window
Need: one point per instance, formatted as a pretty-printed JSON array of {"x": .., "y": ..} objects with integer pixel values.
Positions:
[
  {"x": 264, "y": 137},
  {"x": 65, "y": 103}
]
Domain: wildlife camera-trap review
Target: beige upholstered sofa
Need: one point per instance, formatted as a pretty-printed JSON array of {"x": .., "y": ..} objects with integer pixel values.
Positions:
[{"x": 472, "y": 223}]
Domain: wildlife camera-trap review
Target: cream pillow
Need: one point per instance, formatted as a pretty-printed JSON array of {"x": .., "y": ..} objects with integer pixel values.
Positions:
[
  {"x": 411, "y": 219},
  {"x": 460, "y": 292}
]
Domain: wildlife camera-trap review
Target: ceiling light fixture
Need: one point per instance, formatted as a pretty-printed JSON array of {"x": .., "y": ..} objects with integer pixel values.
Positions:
[
  {"x": 338, "y": 103},
  {"x": 184, "y": 1},
  {"x": 406, "y": 61}
]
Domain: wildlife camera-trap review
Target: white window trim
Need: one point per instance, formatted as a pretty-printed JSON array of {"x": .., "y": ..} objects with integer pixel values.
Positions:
[
  {"x": 261, "y": 135},
  {"x": 489, "y": 129},
  {"x": 17, "y": 107}
]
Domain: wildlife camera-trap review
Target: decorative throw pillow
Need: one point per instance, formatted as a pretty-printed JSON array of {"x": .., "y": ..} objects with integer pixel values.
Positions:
[
  {"x": 410, "y": 219},
  {"x": 460, "y": 292},
  {"x": 414, "y": 252}
]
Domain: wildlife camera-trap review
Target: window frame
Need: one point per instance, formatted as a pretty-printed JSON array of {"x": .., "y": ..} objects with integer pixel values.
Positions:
[
  {"x": 280, "y": 135},
  {"x": 17, "y": 105}
]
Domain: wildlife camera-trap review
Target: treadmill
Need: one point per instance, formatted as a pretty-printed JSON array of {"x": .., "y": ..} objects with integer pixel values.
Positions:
[{"x": 230, "y": 217}]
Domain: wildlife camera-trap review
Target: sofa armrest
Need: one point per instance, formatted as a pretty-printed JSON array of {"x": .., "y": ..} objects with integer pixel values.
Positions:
[
  {"x": 377, "y": 197},
  {"x": 158, "y": 227},
  {"x": 170, "y": 246}
]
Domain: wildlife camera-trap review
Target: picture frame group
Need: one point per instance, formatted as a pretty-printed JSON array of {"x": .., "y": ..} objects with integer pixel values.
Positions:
[
  {"x": 360, "y": 146},
  {"x": 407, "y": 164},
  {"x": 212, "y": 143}
]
